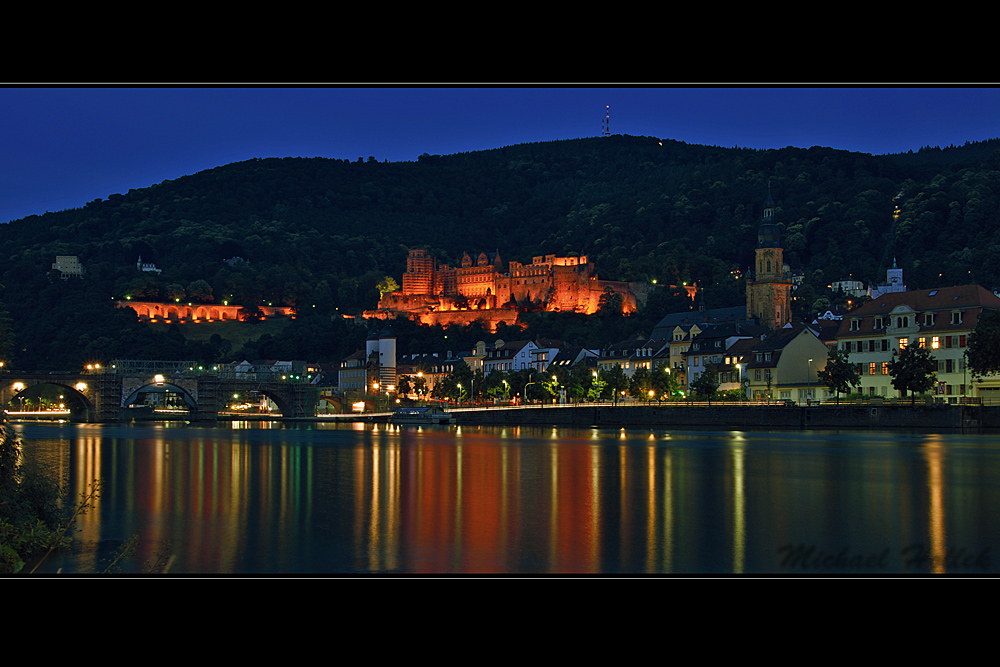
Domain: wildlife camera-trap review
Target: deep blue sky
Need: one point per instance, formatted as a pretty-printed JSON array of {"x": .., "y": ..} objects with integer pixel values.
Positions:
[{"x": 63, "y": 147}]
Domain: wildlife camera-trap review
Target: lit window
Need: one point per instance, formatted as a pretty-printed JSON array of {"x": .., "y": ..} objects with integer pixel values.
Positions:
[
  {"x": 871, "y": 368},
  {"x": 902, "y": 343},
  {"x": 885, "y": 368},
  {"x": 935, "y": 342},
  {"x": 922, "y": 342}
]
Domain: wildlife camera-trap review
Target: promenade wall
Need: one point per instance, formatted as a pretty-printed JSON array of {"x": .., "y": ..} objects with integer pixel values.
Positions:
[{"x": 746, "y": 417}]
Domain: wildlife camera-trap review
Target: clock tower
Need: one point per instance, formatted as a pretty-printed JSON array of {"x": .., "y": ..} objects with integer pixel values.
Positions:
[{"x": 768, "y": 290}]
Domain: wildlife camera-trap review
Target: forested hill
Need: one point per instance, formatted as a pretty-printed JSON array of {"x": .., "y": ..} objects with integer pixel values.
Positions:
[{"x": 320, "y": 233}]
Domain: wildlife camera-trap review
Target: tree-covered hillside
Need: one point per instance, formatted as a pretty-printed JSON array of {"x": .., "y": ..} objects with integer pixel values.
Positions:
[{"x": 321, "y": 233}]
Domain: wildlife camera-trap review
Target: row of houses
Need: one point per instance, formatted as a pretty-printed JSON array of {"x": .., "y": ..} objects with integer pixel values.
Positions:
[{"x": 782, "y": 364}]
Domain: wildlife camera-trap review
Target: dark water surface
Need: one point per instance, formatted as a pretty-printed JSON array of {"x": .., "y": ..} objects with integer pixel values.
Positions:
[{"x": 318, "y": 498}]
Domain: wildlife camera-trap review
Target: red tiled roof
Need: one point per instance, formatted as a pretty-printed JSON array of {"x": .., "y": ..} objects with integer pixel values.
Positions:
[{"x": 970, "y": 298}]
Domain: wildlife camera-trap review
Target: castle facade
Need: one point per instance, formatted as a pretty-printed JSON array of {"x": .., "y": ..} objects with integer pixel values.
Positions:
[{"x": 481, "y": 289}]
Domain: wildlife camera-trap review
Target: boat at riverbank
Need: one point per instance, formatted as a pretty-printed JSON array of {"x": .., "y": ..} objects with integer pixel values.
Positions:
[{"x": 426, "y": 415}]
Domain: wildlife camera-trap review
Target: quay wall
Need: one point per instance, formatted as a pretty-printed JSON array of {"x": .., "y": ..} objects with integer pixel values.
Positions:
[{"x": 748, "y": 417}]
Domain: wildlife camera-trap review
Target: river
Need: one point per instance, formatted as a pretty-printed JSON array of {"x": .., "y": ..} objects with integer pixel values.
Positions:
[{"x": 282, "y": 498}]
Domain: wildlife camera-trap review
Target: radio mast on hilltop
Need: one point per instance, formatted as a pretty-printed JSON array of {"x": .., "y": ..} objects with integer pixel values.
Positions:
[{"x": 606, "y": 123}]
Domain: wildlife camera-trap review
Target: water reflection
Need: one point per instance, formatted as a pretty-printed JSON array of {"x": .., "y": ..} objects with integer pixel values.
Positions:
[{"x": 260, "y": 497}]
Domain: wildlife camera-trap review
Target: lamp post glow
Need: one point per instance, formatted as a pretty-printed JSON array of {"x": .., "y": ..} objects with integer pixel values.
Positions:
[{"x": 809, "y": 379}]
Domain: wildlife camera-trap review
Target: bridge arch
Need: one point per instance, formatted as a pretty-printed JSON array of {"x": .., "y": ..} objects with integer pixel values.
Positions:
[
  {"x": 165, "y": 388},
  {"x": 279, "y": 398},
  {"x": 85, "y": 410}
]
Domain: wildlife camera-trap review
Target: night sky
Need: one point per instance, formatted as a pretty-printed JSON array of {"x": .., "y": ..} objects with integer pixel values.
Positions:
[{"x": 63, "y": 147}]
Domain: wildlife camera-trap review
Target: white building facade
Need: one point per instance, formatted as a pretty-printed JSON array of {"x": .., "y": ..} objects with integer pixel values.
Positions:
[{"x": 940, "y": 320}]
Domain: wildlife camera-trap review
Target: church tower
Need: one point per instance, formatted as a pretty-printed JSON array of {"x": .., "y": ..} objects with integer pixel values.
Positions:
[{"x": 768, "y": 290}]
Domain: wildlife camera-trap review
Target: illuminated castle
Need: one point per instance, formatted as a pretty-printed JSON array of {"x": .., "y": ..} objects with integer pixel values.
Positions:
[{"x": 482, "y": 290}]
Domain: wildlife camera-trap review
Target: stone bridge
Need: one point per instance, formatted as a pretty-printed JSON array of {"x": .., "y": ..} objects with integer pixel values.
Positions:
[{"x": 106, "y": 396}]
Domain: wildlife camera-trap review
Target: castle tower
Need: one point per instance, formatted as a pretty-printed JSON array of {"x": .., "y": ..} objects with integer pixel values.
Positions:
[{"x": 768, "y": 290}]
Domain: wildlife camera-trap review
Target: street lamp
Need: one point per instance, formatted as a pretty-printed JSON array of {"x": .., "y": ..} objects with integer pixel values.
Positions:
[{"x": 809, "y": 380}]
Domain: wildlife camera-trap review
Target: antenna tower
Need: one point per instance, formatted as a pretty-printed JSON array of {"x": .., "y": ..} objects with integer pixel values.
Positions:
[{"x": 606, "y": 123}]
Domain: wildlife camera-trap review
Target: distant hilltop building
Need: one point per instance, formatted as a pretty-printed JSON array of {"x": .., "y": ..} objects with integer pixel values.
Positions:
[
  {"x": 893, "y": 282},
  {"x": 68, "y": 266},
  {"x": 852, "y": 287},
  {"x": 155, "y": 311},
  {"x": 480, "y": 289},
  {"x": 147, "y": 266}
]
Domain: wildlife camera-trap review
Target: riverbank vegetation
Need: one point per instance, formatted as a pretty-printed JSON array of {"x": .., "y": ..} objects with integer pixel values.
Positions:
[{"x": 29, "y": 509}]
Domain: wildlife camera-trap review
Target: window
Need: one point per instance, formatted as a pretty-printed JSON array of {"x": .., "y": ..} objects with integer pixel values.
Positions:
[
  {"x": 928, "y": 319},
  {"x": 871, "y": 368},
  {"x": 879, "y": 323},
  {"x": 956, "y": 317},
  {"x": 922, "y": 342},
  {"x": 855, "y": 325},
  {"x": 756, "y": 375},
  {"x": 935, "y": 342},
  {"x": 885, "y": 368},
  {"x": 961, "y": 340},
  {"x": 902, "y": 343}
]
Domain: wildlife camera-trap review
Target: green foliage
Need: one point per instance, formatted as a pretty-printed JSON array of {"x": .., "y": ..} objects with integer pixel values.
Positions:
[
  {"x": 616, "y": 382},
  {"x": 983, "y": 351},
  {"x": 640, "y": 384},
  {"x": 598, "y": 383},
  {"x": 839, "y": 375},
  {"x": 610, "y": 303},
  {"x": 706, "y": 384},
  {"x": 87, "y": 502},
  {"x": 28, "y": 509},
  {"x": 912, "y": 370},
  {"x": 665, "y": 384},
  {"x": 386, "y": 285}
]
